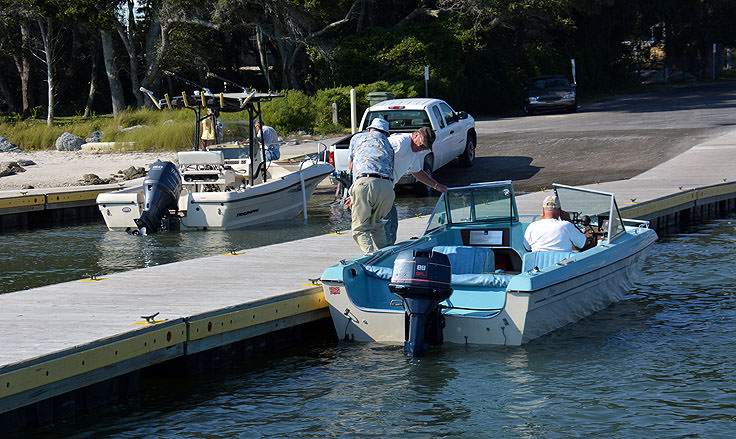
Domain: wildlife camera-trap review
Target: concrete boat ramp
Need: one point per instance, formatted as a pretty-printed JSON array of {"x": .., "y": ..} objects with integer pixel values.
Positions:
[{"x": 69, "y": 347}]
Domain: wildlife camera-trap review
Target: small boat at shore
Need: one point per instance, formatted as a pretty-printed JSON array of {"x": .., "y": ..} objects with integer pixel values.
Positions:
[
  {"x": 468, "y": 278},
  {"x": 227, "y": 186},
  {"x": 204, "y": 192}
]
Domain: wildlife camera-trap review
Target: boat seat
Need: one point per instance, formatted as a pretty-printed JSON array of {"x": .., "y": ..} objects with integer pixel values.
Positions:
[
  {"x": 543, "y": 259},
  {"x": 485, "y": 280},
  {"x": 464, "y": 280},
  {"x": 468, "y": 259}
]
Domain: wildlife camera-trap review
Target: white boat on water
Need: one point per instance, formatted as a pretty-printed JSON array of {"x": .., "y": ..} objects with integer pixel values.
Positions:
[
  {"x": 226, "y": 187},
  {"x": 469, "y": 280},
  {"x": 212, "y": 195}
]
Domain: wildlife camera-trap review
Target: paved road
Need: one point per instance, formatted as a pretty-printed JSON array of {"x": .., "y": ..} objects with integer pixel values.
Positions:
[{"x": 605, "y": 141}]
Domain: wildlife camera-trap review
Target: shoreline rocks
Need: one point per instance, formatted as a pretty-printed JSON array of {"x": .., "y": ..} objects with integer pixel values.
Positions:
[
  {"x": 69, "y": 142},
  {"x": 129, "y": 173},
  {"x": 10, "y": 168},
  {"x": 6, "y": 146}
]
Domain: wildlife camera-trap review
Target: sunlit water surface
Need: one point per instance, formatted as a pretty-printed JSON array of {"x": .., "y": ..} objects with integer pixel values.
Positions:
[
  {"x": 659, "y": 364},
  {"x": 46, "y": 256}
]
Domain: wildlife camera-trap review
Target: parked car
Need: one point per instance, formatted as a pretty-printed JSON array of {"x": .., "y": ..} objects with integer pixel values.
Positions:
[
  {"x": 455, "y": 131},
  {"x": 550, "y": 93}
]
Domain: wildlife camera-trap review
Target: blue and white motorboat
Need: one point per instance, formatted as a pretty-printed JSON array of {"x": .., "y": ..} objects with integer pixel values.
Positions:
[{"x": 468, "y": 278}]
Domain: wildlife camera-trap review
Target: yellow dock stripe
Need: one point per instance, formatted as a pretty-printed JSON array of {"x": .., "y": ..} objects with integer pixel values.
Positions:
[
  {"x": 256, "y": 315},
  {"x": 677, "y": 200},
  {"x": 22, "y": 201},
  {"x": 74, "y": 196},
  {"x": 61, "y": 368}
]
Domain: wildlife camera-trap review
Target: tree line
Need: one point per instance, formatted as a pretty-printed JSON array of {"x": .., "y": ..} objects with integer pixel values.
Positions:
[{"x": 79, "y": 57}]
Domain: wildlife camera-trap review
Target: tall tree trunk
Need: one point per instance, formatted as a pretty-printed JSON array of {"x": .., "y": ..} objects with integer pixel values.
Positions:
[
  {"x": 157, "y": 33},
  {"x": 46, "y": 25},
  {"x": 283, "y": 53},
  {"x": 23, "y": 65},
  {"x": 132, "y": 62},
  {"x": 92, "y": 86},
  {"x": 116, "y": 89},
  {"x": 262, "y": 56},
  {"x": 365, "y": 5}
]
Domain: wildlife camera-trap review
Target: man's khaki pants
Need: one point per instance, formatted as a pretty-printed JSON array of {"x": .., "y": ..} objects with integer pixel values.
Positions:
[{"x": 371, "y": 199}]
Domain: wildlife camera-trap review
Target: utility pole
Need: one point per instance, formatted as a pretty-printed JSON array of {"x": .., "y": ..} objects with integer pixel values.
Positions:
[{"x": 426, "y": 81}]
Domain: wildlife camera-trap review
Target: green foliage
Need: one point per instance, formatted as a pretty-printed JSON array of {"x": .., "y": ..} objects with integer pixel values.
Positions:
[
  {"x": 294, "y": 112},
  {"x": 341, "y": 96},
  {"x": 165, "y": 130}
]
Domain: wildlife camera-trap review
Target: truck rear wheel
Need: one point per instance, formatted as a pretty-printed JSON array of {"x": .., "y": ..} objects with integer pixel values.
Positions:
[
  {"x": 421, "y": 189},
  {"x": 468, "y": 156}
]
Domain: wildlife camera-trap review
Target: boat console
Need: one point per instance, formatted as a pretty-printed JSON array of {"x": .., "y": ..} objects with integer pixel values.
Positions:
[{"x": 205, "y": 168}]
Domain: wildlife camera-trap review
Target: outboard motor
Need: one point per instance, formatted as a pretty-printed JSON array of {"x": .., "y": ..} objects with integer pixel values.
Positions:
[
  {"x": 161, "y": 190},
  {"x": 422, "y": 280}
]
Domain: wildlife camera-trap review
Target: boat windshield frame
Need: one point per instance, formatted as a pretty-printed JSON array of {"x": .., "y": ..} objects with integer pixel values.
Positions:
[
  {"x": 479, "y": 203},
  {"x": 598, "y": 205},
  {"x": 227, "y": 102}
]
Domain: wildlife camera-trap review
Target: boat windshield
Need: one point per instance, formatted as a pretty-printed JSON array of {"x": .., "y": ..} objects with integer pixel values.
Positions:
[
  {"x": 232, "y": 153},
  {"x": 600, "y": 207},
  {"x": 478, "y": 203}
]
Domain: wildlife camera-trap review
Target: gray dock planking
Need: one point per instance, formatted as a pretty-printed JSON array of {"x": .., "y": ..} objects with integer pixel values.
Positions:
[{"x": 65, "y": 336}]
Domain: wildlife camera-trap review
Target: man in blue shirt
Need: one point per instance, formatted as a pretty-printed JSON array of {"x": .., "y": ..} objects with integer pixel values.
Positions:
[
  {"x": 270, "y": 139},
  {"x": 371, "y": 159}
]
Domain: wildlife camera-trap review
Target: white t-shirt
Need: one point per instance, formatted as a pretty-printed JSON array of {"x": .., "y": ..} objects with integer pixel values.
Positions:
[
  {"x": 405, "y": 160},
  {"x": 553, "y": 235}
]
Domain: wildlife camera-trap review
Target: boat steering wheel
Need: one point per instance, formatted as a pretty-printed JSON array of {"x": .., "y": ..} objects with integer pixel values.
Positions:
[{"x": 582, "y": 223}]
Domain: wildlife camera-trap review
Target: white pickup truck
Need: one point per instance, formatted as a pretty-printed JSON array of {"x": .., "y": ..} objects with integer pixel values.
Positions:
[{"x": 455, "y": 132}]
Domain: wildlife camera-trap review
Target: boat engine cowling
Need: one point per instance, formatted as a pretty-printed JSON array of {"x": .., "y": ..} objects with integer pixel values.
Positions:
[
  {"x": 161, "y": 190},
  {"x": 422, "y": 280}
]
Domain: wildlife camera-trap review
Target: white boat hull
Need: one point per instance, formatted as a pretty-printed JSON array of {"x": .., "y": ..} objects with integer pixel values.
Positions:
[
  {"x": 525, "y": 315},
  {"x": 120, "y": 209},
  {"x": 271, "y": 201},
  {"x": 278, "y": 199}
]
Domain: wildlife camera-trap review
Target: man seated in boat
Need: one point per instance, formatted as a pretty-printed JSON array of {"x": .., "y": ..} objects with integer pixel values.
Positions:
[
  {"x": 270, "y": 139},
  {"x": 551, "y": 232}
]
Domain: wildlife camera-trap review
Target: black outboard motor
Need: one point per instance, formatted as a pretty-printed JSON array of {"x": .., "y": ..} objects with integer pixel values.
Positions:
[
  {"x": 422, "y": 280},
  {"x": 161, "y": 189}
]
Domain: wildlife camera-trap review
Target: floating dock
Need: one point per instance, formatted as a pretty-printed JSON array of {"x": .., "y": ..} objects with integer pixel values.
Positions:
[
  {"x": 42, "y": 207},
  {"x": 69, "y": 347}
]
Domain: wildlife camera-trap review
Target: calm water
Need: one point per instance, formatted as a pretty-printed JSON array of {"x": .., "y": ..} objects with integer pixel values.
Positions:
[
  {"x": 46, "y": 256},
  {"x": 659, "y": 364}
]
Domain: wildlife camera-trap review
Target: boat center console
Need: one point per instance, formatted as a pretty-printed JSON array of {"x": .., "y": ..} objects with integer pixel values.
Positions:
[{"x": 498, "y": 241}]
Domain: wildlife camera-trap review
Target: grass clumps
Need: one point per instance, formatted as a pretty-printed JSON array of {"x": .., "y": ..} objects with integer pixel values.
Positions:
[{"x": 149, "y": 130}]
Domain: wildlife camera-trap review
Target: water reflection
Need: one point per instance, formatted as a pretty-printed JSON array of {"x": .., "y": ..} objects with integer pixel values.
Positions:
[{"x": 45, "y": 256}]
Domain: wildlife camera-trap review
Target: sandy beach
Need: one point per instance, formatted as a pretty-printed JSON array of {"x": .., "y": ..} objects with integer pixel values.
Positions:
[{"x": 66, "y": 168}]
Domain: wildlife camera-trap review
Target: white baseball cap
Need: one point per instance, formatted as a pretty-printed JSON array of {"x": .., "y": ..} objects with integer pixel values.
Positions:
[{"x": 380, "y": 125}]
